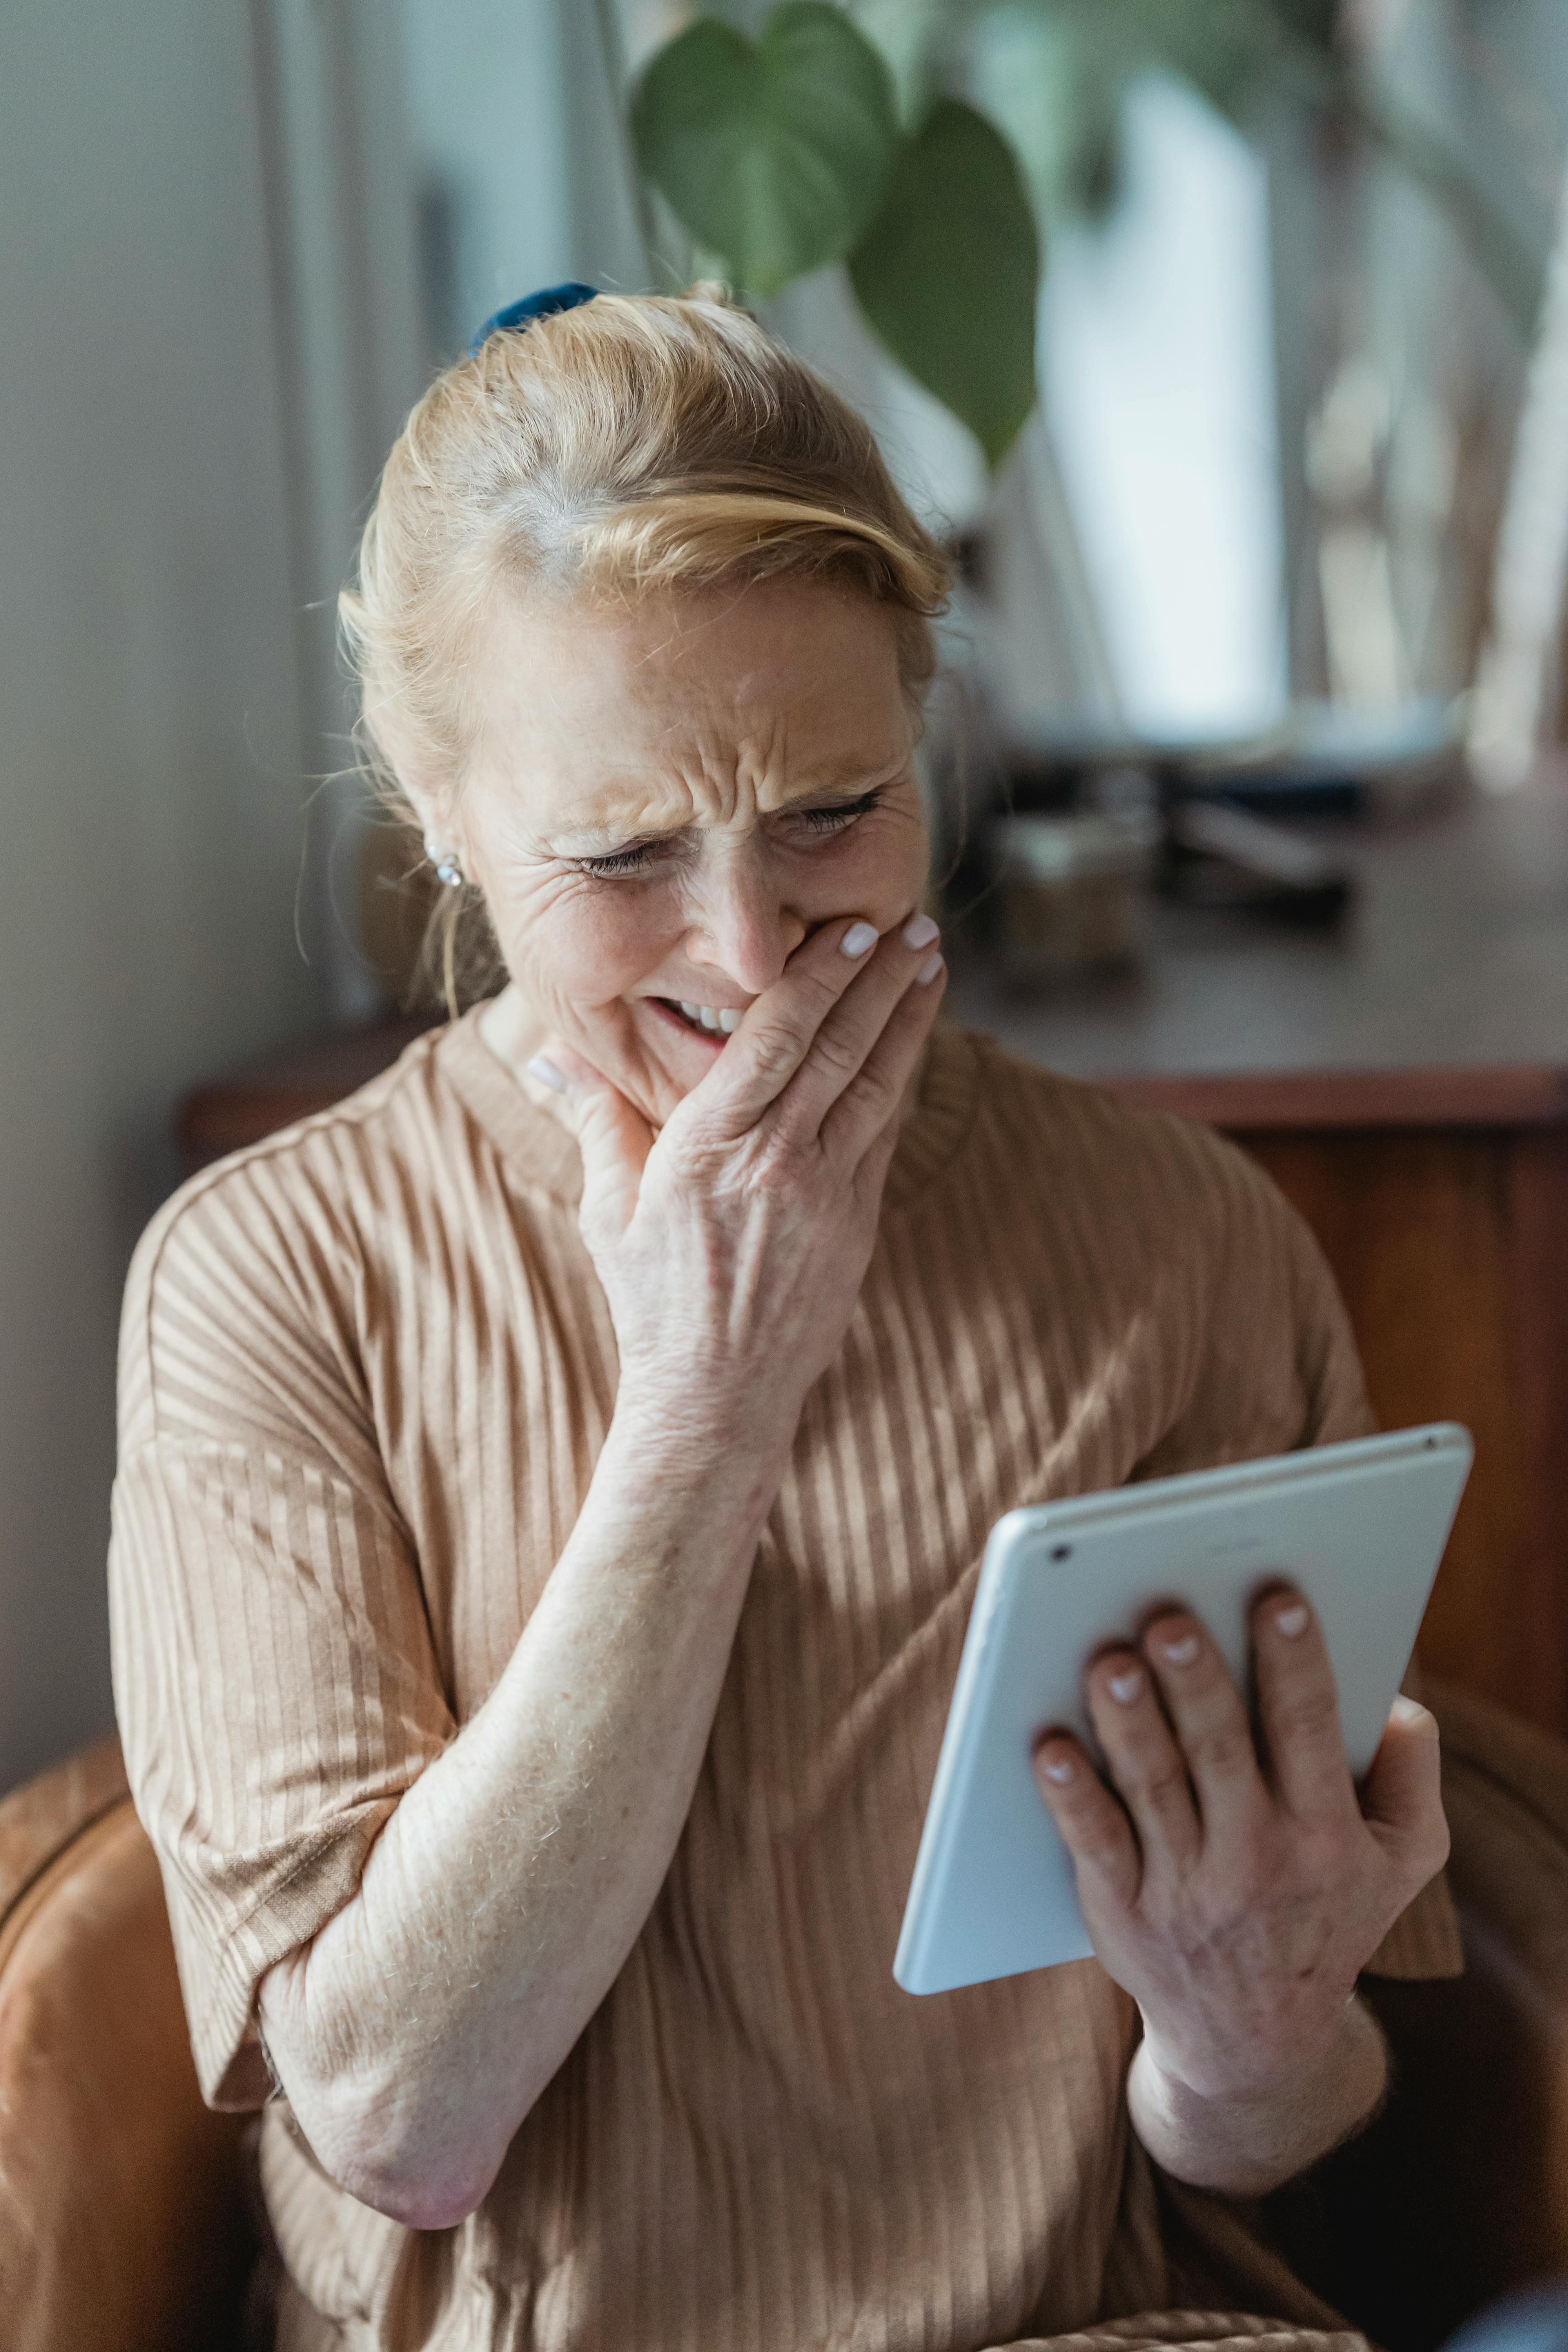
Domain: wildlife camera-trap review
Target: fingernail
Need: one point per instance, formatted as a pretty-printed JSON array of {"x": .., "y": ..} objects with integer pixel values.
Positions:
[
  {"x": 929, "y": 970},
  {"x": 1125, "y": 1687},
  {"x": 920, "y": 931},
  {"x": 546, "y": 1072},
  {"x": 1061, "y": 1771},
  {"x": 858, "y": 938},
  {"x": 1294, "y": 1620},
  {"x": 1182, "y": 1653}
]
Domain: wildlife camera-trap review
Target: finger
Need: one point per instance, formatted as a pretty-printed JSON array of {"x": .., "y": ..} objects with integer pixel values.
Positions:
[
  {"x": 1093, "y": 1827},
  {"x": 1402, "y": 1795},
  {"x": 869, "y": 1106},
  {"x": 1209, "y": 1719},
  {"x": 849, "y": 1035},
  {"x": 612, "y": 1137},
  {"x": 782, "y": 1026},
  {"x": 1142, "y": 1759},
  {"x": 1299, "y": 1709},
  {"x": 871, "y": 1170}
]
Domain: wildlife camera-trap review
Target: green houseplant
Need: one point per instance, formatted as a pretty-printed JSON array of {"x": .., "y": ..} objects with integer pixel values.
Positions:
[{"x": 928, "y": 145}]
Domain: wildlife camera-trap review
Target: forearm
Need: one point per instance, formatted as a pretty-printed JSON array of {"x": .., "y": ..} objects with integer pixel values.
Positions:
[
  {"x": 415, "y": 2031},
  {"x": 1245, "y": 2147}
]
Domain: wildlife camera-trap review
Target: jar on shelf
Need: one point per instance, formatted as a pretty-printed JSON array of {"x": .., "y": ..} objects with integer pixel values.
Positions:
[{"x": 1069, "y": 890}]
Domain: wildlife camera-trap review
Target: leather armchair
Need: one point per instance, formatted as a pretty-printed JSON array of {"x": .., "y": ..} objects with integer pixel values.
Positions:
[{"x": 124, "y": 2225}]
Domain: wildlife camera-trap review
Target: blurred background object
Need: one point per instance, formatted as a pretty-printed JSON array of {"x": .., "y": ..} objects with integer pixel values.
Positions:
[
  {"x": 200, "y": 366},
  {"x": 1068, "y": 894},
  {"x": 1533, "y": 2321},
  {"x": 1295, "y": 262},
  {"x": 1267, "y": 573},
  {"x": 1517, "y": 666}
]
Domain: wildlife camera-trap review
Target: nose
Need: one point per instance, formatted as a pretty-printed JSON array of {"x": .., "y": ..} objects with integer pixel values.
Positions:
[{"x": 741, "y": 924}]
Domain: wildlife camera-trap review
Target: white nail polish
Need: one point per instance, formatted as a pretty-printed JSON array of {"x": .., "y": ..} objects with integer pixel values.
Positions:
[
  {"x": 1061, "y": 1770},
  {"x": 547, "y": 1074},
  {"x": 1125, "y": 1687},
  {"x": 1293, "y": 1621},
  {"x": 1182, "y": 1653},
  {"x": 858, "y": 938},
  {"x": 918, "y": 931},
  {"x": 929, "y": 970}
]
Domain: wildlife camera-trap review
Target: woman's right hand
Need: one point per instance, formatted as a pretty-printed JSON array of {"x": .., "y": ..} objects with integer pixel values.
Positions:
[
  {"x": 731, "y": 1246},
  {"x": 526, "y": 1856}
]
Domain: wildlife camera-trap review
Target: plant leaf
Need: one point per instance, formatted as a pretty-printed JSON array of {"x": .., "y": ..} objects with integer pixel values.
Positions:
[
  {"x": 1051, "y": 80},
  {"x": 949, "y": 271},
  {"x": 911, "y": 36},
  {"x": 775, "y": 153}
]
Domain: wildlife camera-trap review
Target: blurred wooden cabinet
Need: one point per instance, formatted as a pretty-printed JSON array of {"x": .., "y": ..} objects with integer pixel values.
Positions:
[{"x": 1440, "y": 1198}]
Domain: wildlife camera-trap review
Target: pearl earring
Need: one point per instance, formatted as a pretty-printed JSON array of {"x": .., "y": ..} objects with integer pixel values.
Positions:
[{"x": 445, "y": 862}]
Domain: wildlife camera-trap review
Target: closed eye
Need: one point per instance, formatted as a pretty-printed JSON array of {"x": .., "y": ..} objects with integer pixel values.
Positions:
[
  {"x": 637, "y": 856},
  {"x": 634, "y": 859},
  {"x": 837, "y": 818}
]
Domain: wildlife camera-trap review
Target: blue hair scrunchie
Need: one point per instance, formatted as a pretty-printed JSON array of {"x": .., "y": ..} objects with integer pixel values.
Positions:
[{"x": 529, "y": 307}]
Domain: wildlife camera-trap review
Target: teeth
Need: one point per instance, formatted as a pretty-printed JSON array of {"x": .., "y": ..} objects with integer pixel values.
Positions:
[{"x": 722, "y": 1024}]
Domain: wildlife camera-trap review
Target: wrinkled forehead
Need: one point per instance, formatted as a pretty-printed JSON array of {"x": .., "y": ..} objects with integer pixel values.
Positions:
[{"x": 599, "y": 720}]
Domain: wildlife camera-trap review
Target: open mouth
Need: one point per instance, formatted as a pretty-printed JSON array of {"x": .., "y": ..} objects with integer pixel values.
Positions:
[{"x": 714, "y": 1021}]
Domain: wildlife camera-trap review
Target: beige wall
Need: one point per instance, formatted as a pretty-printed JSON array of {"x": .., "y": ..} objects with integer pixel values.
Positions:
[{"x": 150, "y": 738}]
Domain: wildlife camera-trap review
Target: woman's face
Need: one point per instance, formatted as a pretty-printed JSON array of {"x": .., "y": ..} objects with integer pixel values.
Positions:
[{"x": 665, "y": 800}]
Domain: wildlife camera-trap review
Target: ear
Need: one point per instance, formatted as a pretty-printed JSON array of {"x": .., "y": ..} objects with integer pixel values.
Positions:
[{"x": 431, "y": 808}]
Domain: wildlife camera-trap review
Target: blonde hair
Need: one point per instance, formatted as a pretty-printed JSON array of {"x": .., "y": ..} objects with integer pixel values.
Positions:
[{"x": 635, "y": 443}]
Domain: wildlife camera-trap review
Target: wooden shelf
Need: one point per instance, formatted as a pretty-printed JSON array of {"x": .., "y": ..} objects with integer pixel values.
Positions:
[
  {"x": 224, "y": 1114},
  {"x": 1275, "y": 1102}
]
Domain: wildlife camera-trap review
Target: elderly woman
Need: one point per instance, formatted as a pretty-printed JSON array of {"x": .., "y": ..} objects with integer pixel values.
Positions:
[{"x": 552, "y": 1485}]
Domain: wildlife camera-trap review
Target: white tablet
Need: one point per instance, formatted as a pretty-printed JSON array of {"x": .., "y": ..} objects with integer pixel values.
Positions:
[{"x": 1358, "y": 1527}]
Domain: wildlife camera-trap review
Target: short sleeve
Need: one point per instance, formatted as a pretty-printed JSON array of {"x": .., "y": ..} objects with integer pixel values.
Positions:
[
  {"x": 1327, "y": 1359},
  {"x": 275, "y": 1677}
]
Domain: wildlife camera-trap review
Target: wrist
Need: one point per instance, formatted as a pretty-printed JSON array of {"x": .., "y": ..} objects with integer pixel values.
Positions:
[
  {"x": 693, "y": 1459},
  {"x": 700, "y": 1421},
  {"x": 1245, "y": 2140}
]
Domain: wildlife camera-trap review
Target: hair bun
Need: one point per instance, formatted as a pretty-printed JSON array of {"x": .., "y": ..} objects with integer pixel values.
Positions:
[{"x": 529, "y": 307}]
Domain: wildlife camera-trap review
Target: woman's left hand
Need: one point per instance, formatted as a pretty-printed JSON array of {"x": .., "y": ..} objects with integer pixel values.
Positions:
[{"x": 1237, "y": 1885}]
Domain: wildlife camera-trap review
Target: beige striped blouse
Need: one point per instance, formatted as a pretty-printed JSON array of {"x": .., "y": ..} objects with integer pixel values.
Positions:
[{"x": 366, "y": 1372}]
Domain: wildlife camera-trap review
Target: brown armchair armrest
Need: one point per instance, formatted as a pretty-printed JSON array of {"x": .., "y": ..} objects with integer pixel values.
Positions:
[
  {"x": 39, "y": 1820},
  {"x": 1459, "y": 2191},
  {"x": 122, "y": 2221}
]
